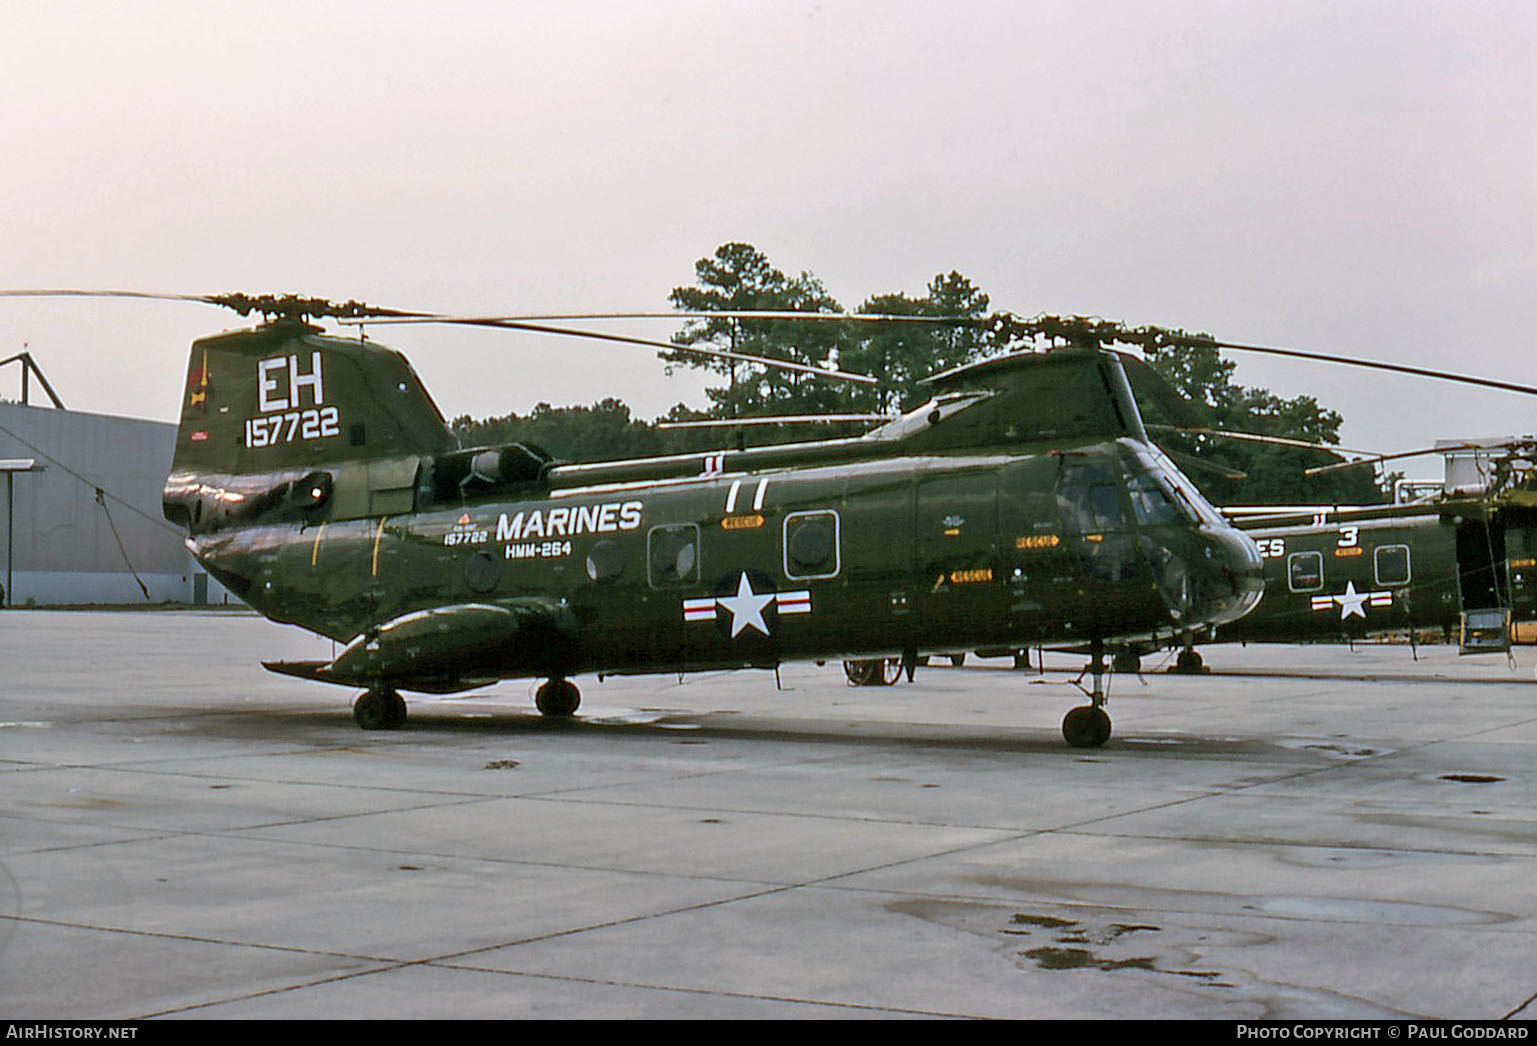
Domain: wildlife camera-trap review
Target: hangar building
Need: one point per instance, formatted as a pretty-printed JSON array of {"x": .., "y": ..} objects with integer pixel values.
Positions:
[{"x": 80, "y": 514}]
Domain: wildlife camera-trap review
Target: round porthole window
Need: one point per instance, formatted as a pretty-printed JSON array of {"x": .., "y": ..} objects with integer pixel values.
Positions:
[
  {"x": 605, "y": 562},
  {"x": 811, "y": 547},
  {"x": 482, "y": 572}
]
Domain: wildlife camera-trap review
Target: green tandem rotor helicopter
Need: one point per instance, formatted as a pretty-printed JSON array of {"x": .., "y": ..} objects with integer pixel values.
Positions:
[{"x": 1024, "y": 504}]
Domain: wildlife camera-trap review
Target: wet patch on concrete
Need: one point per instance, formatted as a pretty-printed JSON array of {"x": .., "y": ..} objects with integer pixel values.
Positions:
[
  {"x": 1332, "y": 746},
  {"x": 1082, "y": 945},
  {"x": 1383, "y": 913},
  {"x": 1472, "y": 778},
  {"x": 1086, "y": 940}
]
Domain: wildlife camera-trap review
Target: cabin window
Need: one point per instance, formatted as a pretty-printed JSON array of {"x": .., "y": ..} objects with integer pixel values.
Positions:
[
  {"x": 1305, "y": 571},
  {"x": 482, "y": 572},
  {"x": 673, "y": 555},
  {"x": 605, "y": 562},
  {"x": 811, "y": 544},
  {"x": 1392, "y": 565}
]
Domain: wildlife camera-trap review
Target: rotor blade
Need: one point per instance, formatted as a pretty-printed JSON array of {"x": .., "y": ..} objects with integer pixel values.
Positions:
[
  {"x": 725, "y": 314},
  {"x": 665, "y": 346},
  {"x": 1378, "y": 458},
  {"x": 71, "y": 293},
  {"x": 1254, "y": 437},
  {"x": 292, "y": 306},
  {"x": 1090, "y": 331},
  {"x": 784, "y": 419},
  {"x": 1396, "y": 368},
  {"x": 1193, "y": 463}
]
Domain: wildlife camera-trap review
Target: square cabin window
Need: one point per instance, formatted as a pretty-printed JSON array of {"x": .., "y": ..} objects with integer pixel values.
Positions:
[
  {"x": 1392, "y": 565},
  {"x": 811, "y": 544},
  {"x": 1305, "y": 571}
]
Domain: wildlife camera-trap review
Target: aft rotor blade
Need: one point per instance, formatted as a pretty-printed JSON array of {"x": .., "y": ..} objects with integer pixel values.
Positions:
[
  {"x": 665, "y": 346},
  {"x": 782, "y": 419},
  {"x": 724, "y": 314},
  {"x": 289, "y": 305}
]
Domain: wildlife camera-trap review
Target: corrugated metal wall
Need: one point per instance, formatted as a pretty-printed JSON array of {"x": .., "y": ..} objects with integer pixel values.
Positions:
[{"x": 65, "y": 548}]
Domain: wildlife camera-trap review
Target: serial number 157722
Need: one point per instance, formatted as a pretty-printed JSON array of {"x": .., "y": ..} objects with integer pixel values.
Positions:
[{"x": 272, "y": 429}]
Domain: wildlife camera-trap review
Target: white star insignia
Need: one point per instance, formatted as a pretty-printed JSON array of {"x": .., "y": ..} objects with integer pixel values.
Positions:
[
  {"x": 746, "y": 607},
  {"x": 1351, "y": 602}
]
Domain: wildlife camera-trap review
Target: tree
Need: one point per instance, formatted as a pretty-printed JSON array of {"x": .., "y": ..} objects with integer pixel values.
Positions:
[
  {"x": 903, "y": 354},
  {"x": 600, "y": 432},
  {"x": 739, "y": 277},
  {"x": 1275, "y": 473}
]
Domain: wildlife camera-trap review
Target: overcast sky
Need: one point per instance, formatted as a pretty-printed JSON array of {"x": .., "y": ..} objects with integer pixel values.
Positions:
[{"x": 1348, "y": 177}]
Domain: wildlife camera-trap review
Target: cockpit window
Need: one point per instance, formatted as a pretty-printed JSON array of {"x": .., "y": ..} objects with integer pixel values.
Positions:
[
  {"x": 1152, "y": 505},
  {"x": 1177, "y": 486},
  {"x": 1089, "y": 499}
]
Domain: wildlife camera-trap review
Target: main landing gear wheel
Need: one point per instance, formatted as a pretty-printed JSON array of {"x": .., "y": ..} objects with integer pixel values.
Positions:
[
  {"x": 1126, "y": 663},
  {"x": 1189, "y": 662},
  {"x": 558, "y": 698},
  {"x": 1087, "y": 726},
  {"x": 880, "y": 671},
  {"x": 380, "y": 709}
]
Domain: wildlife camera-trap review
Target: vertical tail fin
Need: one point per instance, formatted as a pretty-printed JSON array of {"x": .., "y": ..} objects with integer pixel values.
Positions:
[{"x": 264, "y": 406}]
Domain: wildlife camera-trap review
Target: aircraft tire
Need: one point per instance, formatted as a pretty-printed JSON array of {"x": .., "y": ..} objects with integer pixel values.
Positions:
[
  {"x": 381, "y": 709},
  {"x": 1126, "y": 663},
  {"x": 1086, "y": 726},
  {"x": 1189, "y": 663},
  {"x": 557, "y": 698},
  {"x": 880, "y": 671}
]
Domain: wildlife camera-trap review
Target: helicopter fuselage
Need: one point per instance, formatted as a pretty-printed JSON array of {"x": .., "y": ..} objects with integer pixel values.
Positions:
[{"x": 873, "y": 558}]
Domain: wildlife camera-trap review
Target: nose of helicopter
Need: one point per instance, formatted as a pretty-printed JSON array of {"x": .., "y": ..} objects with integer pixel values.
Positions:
[{"x": 1239, "y": 574}]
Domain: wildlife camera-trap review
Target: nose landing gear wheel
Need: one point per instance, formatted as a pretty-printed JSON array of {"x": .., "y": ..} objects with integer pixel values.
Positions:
[
  {"x": 558, "y": 698},
  {"x": 1087, "y": 726},
  {"x": 380, "y": 709}
]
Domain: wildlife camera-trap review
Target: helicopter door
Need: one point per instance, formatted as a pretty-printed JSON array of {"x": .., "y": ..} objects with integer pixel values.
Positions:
[
  {"x": 1483, "y": 588},
  {"x": 957, "y": 545}
]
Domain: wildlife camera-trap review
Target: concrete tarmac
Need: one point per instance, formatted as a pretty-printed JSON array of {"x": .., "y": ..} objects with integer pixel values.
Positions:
[{"x": 1306, "y": 832}]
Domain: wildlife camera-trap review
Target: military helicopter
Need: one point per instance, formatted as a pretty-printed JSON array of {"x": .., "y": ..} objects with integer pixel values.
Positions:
[
  {"x": 1460, "y": 561},
  {"x": 1456, "y": 557},
  {"x": 1024, "y": 502}
]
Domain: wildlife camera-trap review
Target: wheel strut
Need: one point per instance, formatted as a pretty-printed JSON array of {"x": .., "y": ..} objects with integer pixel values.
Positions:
[{"x": 1088, "y": 726}]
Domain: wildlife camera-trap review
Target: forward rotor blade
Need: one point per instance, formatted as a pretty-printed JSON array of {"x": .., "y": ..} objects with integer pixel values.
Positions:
[
  {"x": 1192, "y": 463},
  {"x": 1378, "y": 458},
  {"x": 71, "y": 293},
  {"x": 1395, "y": 368},
  {"x": 1254, "y": 437},
  {"x": 1090, "y": 331}
]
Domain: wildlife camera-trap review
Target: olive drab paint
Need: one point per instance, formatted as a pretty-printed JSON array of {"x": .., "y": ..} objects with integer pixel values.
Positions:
[{"x": 318, "y": 481}]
